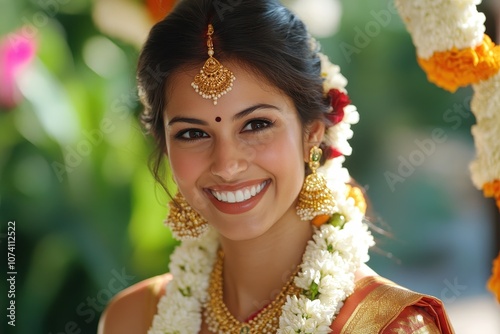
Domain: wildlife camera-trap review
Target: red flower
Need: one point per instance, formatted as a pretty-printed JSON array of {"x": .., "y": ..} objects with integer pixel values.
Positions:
[
  {"x": 338, "y": 101},
  {"x": 331, "y": 153}
]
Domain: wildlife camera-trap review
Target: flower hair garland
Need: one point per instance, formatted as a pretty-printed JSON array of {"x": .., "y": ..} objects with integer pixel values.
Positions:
[
  {"x": 335, "y": 253},
  {"x": 342, "y": 115},
  {"x": 454, "y": 51}
]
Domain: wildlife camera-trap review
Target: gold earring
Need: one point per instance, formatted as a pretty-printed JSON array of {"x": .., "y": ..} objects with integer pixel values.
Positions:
[
  {"x": 316, "y": 200},
  {"x": 214, "y": 80},
  {"x": 184, "y": 222}
]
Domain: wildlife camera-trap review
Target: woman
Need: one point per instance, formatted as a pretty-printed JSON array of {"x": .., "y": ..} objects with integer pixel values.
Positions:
[{"x": 243, "y": 106}]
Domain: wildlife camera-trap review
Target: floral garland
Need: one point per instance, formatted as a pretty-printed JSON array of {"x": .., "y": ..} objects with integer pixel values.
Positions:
[
  {"x": 327, "y": 272},
  {"x": 179, "y": 310},
  {"x": 326, "y": 276},
  {"x": 454, "y": 51},
  {"x": 335, "y": 253}
]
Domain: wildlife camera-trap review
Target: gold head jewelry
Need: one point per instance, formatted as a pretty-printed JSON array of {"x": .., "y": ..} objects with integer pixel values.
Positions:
[
  {"x": 315, "y": 198},
  {"x": 214, "y": 80}
]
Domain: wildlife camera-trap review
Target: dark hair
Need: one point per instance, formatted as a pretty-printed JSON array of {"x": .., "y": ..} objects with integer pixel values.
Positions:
[{"x": 261, "y": 35}]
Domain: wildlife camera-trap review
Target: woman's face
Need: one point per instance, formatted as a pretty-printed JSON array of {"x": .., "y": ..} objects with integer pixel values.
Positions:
[{"x": 239, "y": 163}]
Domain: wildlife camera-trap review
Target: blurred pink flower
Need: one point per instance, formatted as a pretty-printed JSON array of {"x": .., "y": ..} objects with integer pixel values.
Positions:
[{"x": 16, "y": 52}]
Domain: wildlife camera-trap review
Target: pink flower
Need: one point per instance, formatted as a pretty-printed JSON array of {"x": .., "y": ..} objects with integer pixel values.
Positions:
[{"x": 16, "y": 52}]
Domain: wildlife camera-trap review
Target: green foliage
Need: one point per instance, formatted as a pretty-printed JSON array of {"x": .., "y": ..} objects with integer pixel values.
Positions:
[{"x": 74, "y": 175}]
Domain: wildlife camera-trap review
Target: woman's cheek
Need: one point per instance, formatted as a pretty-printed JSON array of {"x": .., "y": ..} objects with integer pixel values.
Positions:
[
  {"x": 185, "y": 167},
  {"x": 262, "y": 144}
]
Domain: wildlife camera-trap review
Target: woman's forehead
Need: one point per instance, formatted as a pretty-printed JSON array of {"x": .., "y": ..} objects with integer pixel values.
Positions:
[{"x": 249, "y": 87}]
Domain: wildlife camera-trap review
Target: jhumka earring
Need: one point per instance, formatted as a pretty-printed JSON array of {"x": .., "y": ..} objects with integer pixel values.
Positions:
[
  {"x": 184, "y": 222},
  {"x": 315, "y": 198},
  {"x": 214, "y": 80}
]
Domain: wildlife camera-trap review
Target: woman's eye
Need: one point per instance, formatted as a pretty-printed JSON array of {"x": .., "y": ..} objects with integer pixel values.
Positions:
[
  {"x": 191, "y": 134},
  {"x": 257, "y": 125}
]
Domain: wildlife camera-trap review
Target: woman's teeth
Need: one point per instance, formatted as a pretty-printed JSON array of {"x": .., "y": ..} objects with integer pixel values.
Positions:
[{"x": 238, "y": 195}]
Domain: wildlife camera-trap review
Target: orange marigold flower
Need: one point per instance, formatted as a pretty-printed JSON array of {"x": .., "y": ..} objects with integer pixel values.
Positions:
[
  {"x": 492, "y": 189},
  {"x": 494, "y": 281},
  {"x": 458, "y": 68},
  {"x": 320, "y": 220},
  {"x": 359, "y": 198}
]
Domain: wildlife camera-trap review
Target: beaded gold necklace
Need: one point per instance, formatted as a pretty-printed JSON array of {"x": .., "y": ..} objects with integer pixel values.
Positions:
[{"x": 221, "y": 321}]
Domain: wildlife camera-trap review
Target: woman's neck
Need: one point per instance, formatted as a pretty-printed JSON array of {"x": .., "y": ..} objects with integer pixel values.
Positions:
[{"x": 256, "y": 270}]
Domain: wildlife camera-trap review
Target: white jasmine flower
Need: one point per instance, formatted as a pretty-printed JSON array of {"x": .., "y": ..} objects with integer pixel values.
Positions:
[{"x": 461, "y": 27}]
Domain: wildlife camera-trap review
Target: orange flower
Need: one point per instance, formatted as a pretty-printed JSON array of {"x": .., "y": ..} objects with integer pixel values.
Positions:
[
  {"x": 458, "y": 68},
  {"x": 159, "y": 8},
  {"x": 494, "y": 281},
  {"x": 359, "y": 201},
  {"x": 359, "y": 198},
  {"x": 320, "y": 220},
  {"x": 492, "y": 189}
]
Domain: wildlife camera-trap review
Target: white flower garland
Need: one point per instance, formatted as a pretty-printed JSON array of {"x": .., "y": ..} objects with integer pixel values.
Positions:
[
  {"x": 453, "y": 50},
  {"x": 338, "y": 134},
  {"x": 440, "y": 25},
  {"x": 445, "y": 25},
  {"x": 486, "y": 107},
  {"x": 329, "y": 264},
  {"x": 179, "y": 310}
]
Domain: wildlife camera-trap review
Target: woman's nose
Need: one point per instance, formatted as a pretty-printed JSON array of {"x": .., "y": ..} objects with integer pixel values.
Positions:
[{"x": 230, "y": 159}]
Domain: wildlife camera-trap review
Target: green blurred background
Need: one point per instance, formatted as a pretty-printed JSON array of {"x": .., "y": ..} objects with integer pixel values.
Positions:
[{"x": 88, "y": 215}]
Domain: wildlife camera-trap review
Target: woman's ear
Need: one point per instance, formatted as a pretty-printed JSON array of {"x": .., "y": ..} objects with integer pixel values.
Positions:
[{"x": 313, "y": 135}]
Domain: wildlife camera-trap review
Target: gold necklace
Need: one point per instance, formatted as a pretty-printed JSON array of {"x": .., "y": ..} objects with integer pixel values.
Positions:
[{"x": 221, "y": 321}]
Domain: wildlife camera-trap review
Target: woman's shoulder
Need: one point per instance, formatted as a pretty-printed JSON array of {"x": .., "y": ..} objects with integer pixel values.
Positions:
[
  {"x": 132, "y": 310},
  {"x": 379, "y": 305}
]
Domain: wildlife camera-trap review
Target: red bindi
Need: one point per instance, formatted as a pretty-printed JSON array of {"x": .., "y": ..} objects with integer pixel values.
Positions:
[{"x": 218, "y": 119}]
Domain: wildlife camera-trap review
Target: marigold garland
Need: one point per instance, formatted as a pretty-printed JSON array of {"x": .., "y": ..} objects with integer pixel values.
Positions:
[
  {"x": 492, "y": 189},
  {"x": 485, "y": 105},
  {"x": 494, "y": 281},
  {"x": 459, "y": 68},
  {"x": 447, "y": 36}
]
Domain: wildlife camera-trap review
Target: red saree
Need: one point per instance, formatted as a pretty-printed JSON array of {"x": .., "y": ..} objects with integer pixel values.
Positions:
[
  {"x": 381, "y": 306},
  {"x": 376, "y": 306}
]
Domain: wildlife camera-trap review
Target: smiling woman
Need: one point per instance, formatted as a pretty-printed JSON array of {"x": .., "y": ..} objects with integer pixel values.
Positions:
[
  {"x": 274, "y": 238},
  {"x": 257, "y": 145}
]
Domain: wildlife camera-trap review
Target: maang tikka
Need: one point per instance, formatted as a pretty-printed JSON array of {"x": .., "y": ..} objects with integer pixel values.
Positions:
[{"x": 214, "y": 80}]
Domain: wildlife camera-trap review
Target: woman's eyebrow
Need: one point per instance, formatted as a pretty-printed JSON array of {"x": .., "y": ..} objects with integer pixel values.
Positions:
[
  {"x": 253, "y": 108},
  {"x": 239, "y": 115},
  {"x": 189, "y": 120}
]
